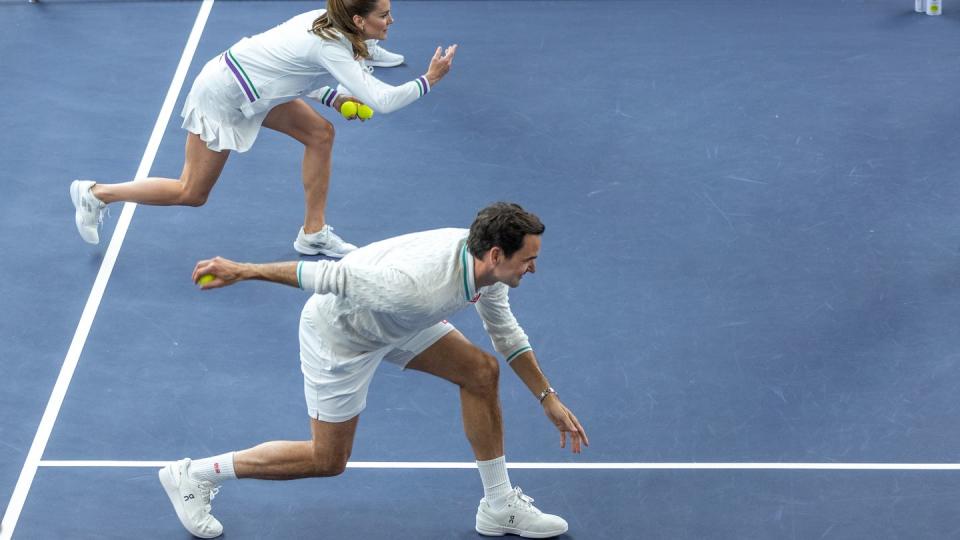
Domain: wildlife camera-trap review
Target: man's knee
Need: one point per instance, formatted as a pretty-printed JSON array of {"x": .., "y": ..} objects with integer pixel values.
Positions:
[{"x": 486, "y": 371}]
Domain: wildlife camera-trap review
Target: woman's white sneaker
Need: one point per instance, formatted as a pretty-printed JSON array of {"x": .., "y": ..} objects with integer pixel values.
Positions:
[
  {"x": 89, "y": 210},
  {"x": 191, "y": 499},
  {"x": 381, "y": 57},
  {"x": 323, "y": 242},
  {"x": 518, "y": 516}
]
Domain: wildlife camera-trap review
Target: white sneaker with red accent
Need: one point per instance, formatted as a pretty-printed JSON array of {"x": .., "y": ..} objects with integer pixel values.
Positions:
[
  {"x": 191, "y": 499},
  {"x": 518, "y": 516}
]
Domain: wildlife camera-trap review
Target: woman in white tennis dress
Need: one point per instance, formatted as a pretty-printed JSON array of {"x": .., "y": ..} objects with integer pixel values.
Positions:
[{"x": 261, "y": 81}]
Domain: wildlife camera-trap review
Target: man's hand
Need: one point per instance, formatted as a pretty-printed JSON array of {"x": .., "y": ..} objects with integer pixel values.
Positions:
[
  {"x": 566, "y": 422},
  {"x": 224, "y": 271}
]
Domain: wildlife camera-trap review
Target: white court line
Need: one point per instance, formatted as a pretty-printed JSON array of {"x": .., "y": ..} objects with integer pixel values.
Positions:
[
  {"x": 572, "y": 466},
  {"x": 29, "y": 470}
]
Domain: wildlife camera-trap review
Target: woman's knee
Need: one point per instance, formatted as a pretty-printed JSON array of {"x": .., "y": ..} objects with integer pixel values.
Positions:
[
  {"x": 195, "y": 186},
  {"x": 192, "y": 198},
  {"x": 329, "y": 465},
  {"x": 321, "y": 135}
]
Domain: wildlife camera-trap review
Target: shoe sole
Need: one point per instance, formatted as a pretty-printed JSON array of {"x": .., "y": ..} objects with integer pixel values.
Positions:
[
  {"x": 173, "y": 493},
  {"x": 323, "y": 252},
  {"x": 384, "y": 64},
  {"x": 77, "y": 214},
  {"x": 502, "y": 531}
]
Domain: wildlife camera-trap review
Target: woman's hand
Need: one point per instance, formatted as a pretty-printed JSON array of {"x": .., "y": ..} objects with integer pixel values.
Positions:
[
  {"x": 440, "y": 64},
  {"x": 341, "y": 99}
]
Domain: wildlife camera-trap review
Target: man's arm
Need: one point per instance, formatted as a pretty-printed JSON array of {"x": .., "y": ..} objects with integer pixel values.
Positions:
[
  {"x": 380, "y": 288},
  {"x": 226, "y": 272},
  {"x": 526, "y": 367}
]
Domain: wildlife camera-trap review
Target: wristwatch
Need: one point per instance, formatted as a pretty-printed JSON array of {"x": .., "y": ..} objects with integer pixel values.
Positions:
[{"x": 546, "y": 392}]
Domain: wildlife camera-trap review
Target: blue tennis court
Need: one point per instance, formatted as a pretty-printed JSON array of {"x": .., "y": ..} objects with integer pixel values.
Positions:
[{"x": 748, "y": 289}]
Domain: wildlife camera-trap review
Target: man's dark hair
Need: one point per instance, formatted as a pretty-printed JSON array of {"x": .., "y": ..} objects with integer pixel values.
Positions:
[{"x": 502, "y": 225}]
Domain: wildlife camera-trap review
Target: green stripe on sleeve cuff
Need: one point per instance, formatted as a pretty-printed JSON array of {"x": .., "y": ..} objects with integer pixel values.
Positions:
[{"x": 299, "y": 280}]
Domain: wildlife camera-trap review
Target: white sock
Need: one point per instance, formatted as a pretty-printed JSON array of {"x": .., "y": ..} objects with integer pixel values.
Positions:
[
  {"x": 496, "y": 481},
  {"x": 214, "y": 469}
]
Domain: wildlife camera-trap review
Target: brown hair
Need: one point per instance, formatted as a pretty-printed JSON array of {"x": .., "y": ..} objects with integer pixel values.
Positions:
[
  {"x": 502, "y": 225},
  {"x": 339, "y": 19}
]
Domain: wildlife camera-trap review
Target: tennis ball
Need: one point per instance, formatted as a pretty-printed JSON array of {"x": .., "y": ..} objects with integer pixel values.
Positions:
[
  {"x": 348, "y": 109},
  {"x": 364, "y": 112},
  {"x": 204, "y": 279}
]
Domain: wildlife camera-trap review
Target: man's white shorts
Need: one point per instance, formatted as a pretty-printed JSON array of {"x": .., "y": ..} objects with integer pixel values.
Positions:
[{"x": 335, "y": 387}]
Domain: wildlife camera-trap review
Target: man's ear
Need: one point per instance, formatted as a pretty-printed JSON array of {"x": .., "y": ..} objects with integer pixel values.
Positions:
[{"x": 496, "y": 255}]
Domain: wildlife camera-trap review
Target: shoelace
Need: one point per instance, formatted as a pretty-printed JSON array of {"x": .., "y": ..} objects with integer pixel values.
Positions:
[
  {"x": 525, "y": 501},
  {"x": 329, "y": 240},
  {"x": 208, "y": 492},
  {"x": 96, "y": 208},
  {"x": 322, "y": 241},
  {"x": 332, "y": 239}
]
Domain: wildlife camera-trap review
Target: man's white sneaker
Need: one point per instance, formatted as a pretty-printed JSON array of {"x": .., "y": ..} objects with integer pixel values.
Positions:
[
  {"x": 191, "y": 499},
  {"x": 381, "y": 57},
  {"x": 323, "y": 242},
  {"x": 518, "y": 516},
  {"x": 89, "y": 210}
]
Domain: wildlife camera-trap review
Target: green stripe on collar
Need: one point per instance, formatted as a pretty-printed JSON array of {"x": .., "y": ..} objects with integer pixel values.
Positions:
[{"x": 463, "y": 262}]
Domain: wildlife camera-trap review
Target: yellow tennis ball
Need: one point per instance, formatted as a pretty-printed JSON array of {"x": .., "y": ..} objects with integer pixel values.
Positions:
[
  {"x": 204, "y": 279},
  {"x": 364, "y": 112},
  {"x": 348, "y": 109}
]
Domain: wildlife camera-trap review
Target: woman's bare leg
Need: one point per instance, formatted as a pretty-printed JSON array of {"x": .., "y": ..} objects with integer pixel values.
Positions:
[
  {"x": 298, "y": 120},
  {"x": 201, "y": 169}
]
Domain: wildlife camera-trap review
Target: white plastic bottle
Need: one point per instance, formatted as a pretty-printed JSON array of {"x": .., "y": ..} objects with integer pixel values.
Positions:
[
  {"x": 920, "y": 6},
  {"x": 934, "y": 7}
]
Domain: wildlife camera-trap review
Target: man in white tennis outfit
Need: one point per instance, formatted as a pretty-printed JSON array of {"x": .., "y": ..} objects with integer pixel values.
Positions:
[{"x": 389, "y": 301}]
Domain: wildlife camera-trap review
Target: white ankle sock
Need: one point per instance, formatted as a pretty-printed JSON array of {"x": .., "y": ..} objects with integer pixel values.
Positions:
[
  {"x": 496, "y": 481},
  {"x": 214, "y": 469}
]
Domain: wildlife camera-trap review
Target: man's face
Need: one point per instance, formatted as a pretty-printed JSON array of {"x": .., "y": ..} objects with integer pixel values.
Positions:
[{"x": 510, "y": 270}]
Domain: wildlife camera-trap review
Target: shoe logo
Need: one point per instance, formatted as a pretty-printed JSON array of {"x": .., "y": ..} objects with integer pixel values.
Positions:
[
  {"x": 216, "y": 468},
  {"x": 511, "y": 520},
  {"x": 186, "y": 498}
]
